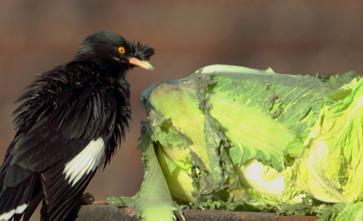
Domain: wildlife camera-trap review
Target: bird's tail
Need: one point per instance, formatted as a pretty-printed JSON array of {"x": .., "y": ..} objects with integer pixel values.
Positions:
[{"x": 15, "y": 200}]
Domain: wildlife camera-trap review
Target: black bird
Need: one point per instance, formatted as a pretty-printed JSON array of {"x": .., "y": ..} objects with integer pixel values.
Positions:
[{"x": 69, "y": 123}]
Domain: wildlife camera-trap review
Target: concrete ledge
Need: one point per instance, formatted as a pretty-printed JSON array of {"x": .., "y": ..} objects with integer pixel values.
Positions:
[{"x": 112, "y": 213}]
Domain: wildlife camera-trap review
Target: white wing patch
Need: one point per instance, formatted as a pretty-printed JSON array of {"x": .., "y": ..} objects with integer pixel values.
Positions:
[
  {"x": 85, "y": 162},
  {"x": 18, "y": 210}
]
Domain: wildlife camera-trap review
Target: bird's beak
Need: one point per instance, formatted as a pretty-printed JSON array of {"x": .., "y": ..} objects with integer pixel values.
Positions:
[{"x": 142, "y": 64}]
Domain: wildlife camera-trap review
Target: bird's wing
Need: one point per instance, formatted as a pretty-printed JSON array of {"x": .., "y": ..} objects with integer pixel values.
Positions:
[
  {"x": 62, "y": 199},
  {"x": 63, "y": 133},
  {"x": 65, "y": 147}
]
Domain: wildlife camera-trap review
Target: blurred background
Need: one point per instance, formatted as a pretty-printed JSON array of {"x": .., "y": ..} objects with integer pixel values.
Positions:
[{"x": 290, "y": 36}]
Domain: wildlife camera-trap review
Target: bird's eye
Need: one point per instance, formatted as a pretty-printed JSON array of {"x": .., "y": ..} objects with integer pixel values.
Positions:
[{"x": 121, "y": 50}]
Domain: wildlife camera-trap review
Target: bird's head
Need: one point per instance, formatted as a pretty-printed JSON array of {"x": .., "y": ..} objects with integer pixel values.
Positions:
[{"x": 110, "y": 48}]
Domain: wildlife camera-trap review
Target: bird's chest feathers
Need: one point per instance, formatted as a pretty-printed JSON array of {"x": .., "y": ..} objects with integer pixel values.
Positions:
[{"x": 85, "y": 162}]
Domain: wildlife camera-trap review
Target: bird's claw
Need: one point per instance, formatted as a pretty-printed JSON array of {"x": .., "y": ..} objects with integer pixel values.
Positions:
[{"x": 87, "y": 199}]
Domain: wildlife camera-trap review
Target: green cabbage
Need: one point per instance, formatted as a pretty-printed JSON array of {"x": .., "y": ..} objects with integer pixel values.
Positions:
[
  {"x": 236, "y": 138},
  {"x": 331, "y": 169}
]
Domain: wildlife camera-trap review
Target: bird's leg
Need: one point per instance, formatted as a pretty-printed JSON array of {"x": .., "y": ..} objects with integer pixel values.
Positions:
[{"x": 87, "y": 199}]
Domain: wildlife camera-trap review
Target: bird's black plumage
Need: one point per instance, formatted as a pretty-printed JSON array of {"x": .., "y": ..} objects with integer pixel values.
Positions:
[{"x": 70, "y": 120}]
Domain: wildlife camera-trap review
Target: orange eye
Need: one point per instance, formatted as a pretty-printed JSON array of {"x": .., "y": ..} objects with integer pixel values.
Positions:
[{"x": 121, "y": 50}]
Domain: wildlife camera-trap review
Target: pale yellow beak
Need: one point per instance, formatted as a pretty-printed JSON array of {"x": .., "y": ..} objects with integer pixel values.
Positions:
[{"x": 142, "y": 64}]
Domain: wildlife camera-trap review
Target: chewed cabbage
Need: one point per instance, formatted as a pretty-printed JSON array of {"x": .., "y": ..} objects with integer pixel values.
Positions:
[{"x": 236, "y": 138}]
